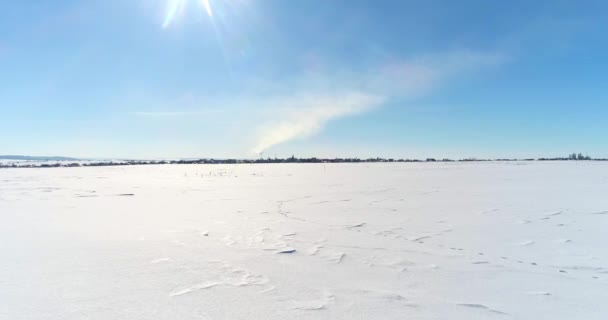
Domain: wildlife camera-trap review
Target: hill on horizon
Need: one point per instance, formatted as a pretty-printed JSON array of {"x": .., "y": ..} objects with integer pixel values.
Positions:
[{"x": 36, "y": 158}]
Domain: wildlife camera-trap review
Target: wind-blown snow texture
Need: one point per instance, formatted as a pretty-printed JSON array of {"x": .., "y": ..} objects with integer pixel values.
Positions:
[{"x": 516, "y": 240}]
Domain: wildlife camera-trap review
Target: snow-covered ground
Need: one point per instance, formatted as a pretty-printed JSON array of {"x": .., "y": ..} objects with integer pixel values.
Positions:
[{"x": 516, "y": 240}]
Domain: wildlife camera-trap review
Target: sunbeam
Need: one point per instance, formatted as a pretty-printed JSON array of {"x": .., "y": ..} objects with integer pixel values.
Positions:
[
  {"x": 177, "y": 7},
  {"x": 173, "y": 8},
  {"x": 207, "y": 6}
]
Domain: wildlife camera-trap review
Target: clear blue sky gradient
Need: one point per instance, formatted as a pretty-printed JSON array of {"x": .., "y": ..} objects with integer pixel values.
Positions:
[{"x": 103, "y": 78}]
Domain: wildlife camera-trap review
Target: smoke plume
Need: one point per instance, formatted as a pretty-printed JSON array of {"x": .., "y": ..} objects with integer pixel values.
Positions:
[{"x": 310, "y": 116}]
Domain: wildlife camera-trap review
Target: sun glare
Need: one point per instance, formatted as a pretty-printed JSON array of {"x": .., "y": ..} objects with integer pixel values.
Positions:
[{"x": 177, "y": 7}]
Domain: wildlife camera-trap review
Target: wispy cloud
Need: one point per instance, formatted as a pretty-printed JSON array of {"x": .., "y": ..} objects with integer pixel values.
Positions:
[
  {"x": 163, "y": 113},
  {"x": 422, "y": 74},
  {"x": 169, "y": 114},
  {"x": 279, "y": 117},
  {"x": 414, "y": 77}
]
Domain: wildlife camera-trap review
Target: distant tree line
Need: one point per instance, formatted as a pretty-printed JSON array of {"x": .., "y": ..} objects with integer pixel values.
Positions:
[
  {"x": 292, "y": 159},
  {"x": 573, "y": 156},
  {"x": 579, "y": 156}
]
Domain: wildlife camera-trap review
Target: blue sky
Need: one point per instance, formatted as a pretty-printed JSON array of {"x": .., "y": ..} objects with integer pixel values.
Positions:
[{"x": 412, "y": 79}]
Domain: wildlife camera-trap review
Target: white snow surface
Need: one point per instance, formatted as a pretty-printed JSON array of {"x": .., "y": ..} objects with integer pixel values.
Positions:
[{"x": 479, "y": 240}]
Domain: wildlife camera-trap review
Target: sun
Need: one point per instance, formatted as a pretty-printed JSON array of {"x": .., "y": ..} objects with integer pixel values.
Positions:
[{"x": 177, "y": 7}]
